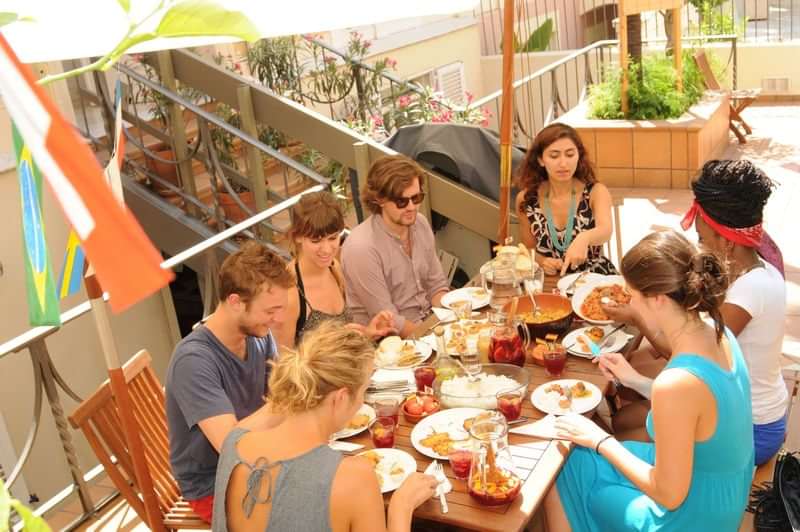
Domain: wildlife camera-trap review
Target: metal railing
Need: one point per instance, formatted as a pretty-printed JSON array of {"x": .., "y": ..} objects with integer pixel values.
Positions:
[{"x": 564, "y": 83}]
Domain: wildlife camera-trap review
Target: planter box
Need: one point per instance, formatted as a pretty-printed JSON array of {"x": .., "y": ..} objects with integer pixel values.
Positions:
[{"x": 654, "y": 153}]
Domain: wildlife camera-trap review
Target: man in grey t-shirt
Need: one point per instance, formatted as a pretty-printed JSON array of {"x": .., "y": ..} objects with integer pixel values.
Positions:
[{"x": 217, "y": 376}]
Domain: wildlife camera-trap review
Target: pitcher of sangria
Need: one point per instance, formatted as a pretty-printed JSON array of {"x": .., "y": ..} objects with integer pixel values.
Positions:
[
  {"x": 493, "y": 479},
  {"x": 509, "y": 341}
]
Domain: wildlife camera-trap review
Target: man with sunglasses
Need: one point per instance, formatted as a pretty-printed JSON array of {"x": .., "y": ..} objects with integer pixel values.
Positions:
[{"x": 389, "y": 260}]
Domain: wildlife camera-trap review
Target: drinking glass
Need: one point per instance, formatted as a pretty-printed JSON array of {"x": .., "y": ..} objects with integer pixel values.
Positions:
[
  {"x": 460, "y": 461},
  {"x": 554, "y": 359},
  {"x": 387, "y": 407},
  {"x": 382, "y": 432},
  {"x": 424, "y": 376},
  {"x": 509, "y": 403},
  {"x": 462, "y": 308}
]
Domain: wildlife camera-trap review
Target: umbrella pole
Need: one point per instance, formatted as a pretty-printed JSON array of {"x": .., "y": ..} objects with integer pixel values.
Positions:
[
  {"x": 119, "y": 390},
  {"x": 506, "y": 120}
]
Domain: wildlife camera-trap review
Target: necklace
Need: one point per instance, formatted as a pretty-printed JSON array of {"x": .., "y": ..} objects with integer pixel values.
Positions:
[{"x": 560, "y": 245}]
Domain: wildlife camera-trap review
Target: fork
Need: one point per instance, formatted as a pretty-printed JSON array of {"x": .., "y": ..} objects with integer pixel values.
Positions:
[
  {"x": 571, "y": 287},
  {"x": 438, "y": 472}
]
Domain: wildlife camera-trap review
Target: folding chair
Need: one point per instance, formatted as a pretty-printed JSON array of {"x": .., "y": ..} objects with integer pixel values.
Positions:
[
  {"x": 740, "y": 99},
  {"x": 99, "y": 420}
]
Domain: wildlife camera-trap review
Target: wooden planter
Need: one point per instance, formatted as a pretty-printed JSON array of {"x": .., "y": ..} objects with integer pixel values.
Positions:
[{"x": 654, "y": 153}]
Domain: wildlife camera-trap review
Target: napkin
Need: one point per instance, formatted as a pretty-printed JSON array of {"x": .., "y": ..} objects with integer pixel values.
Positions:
[
  {"x": 444, "y": 314},
  {"x": 443, "y": 487},
  {"x": 343, "y": 446},
  {"x": 543, "y": 428}
]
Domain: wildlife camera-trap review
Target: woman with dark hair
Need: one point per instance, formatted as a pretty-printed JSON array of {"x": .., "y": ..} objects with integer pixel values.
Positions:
[
  {"x": 727, "y": 213},
  {"x": 315, "y": 233},
  {"x": 696, "y": 473},
  {"x": 568, "y": 211}
]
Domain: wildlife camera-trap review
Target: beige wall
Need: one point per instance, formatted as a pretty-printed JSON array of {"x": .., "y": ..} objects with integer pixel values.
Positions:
[
  {"x": 462, "y": 45},
  {"x": 763, "y": 60},
  {"x": 75, "y": 349}
]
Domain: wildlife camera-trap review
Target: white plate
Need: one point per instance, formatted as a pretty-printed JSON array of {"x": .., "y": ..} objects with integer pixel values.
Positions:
[
  {"x": 620, "y": 339},
  {"x": 583, "y": 292},
  {"x": 580, "y": 405},
  {"x": 346, "y": 433},
  {"x": 476, "y": 294},
  {"x": 450, "y": 421},
  {"x": 389, "y": 459},
  {"x": 565, "y": 281},
  {"x": 422, "y": 348}
]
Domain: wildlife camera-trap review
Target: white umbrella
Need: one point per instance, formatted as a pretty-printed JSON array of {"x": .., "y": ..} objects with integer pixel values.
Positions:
[{"x": 91, "y": 28}]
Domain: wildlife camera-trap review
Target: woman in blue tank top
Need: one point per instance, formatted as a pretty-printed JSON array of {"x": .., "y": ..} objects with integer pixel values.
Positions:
[
  {"x": 287, "y": 478},
  {"x": 696, "y": 474}
]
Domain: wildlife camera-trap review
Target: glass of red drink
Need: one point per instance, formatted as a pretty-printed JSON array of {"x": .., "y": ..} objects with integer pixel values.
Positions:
[
  {"x": 382, "y": 432},
  {"x": 387, "y": 407},
  {"x": 554, "y": 359},
  {"x": 460, "y": 462},
  {"x": 424, "y": 375},
  {"x": 509, "y": 403},
  {"x": 506, "y": 348}
]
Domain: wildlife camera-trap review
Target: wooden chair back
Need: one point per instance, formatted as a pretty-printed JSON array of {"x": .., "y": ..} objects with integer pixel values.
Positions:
[
  {"x": 709, "y": 79},
  {"x": 99, "y": 420}
]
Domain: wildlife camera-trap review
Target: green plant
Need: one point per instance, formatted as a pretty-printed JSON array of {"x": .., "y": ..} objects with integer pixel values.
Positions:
[
  {"x": 652, "y": 93},
  {"x": 31, "y": 523},
  {"x": 537, "y": 41},
  {"x": 274, "y": 62}
]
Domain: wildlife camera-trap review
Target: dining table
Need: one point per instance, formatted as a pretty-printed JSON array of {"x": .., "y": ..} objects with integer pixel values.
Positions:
[{"x": 537, "y": 461}]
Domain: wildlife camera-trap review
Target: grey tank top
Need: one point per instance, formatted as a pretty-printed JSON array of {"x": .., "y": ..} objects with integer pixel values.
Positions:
[{"x": 300, "y": 497}]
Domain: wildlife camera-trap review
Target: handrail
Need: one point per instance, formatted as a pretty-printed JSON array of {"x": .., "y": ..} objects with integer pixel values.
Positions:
[
  {"x": 30, "y": 336},
  {"x": 574, "y": 55}
]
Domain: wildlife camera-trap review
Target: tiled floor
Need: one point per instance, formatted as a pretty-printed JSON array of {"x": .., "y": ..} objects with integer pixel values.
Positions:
[{"x": 773, "y": 146}]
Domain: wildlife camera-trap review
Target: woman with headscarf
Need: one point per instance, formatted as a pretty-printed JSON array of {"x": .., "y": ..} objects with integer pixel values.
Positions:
[{"x": 727, "y": 214}]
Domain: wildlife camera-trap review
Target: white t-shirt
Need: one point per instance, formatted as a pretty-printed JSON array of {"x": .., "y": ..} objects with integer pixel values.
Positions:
[{"x": 761, "y": 292}]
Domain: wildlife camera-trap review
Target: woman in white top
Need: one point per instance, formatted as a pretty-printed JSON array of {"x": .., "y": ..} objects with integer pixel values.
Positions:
[{"x": 727, "y": 214}]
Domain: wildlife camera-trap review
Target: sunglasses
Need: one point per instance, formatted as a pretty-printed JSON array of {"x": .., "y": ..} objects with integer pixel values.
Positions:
[{"x": 402, "y": 203}]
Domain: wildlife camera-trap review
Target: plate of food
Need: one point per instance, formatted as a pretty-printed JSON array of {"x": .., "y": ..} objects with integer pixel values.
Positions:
[
  {"x": 586, "y": 301},
  {"x": 477, "y": 295},
  {"x": 358, "y": 424},
  {"x": 391, "y": 466},
  {"x": 566, "y": 396},
  {"x": 436, "y": 434},
  {"x": 576, "y": 340},
  {"x": 456, "y": 334},
  {"x": 505, "y": 254},
  {"x": 396, "y": 353}
]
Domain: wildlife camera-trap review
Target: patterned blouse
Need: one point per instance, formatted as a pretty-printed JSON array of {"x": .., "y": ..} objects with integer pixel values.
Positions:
[{"x": 584, "y": 221}]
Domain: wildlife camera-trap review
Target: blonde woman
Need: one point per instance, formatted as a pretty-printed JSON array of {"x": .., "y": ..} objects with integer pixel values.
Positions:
[
  {"x": 317, "y": 224},
  {"x": 287, "y": 478}
]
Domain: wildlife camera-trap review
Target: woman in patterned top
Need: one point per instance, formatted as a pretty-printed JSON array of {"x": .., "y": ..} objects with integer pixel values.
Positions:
[
  {"x": 568, "y": 211},
  {"x": 317, "y": 224}
]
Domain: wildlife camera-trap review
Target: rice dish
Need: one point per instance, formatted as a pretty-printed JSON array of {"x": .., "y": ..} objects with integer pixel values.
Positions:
[
  {"x": 550, "y": 402},
  {"x": 460, "y": 392}
]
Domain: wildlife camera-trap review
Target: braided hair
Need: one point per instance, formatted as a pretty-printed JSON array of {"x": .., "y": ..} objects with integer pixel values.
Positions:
[{"x": 733, "y": 193}]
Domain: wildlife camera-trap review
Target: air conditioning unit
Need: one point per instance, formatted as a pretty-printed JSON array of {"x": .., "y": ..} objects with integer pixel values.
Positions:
[{"x": 775, "y": 85}]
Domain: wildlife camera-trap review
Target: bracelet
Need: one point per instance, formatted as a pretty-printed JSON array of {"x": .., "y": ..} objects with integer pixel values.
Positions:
[{"x": 597, "y": 447}]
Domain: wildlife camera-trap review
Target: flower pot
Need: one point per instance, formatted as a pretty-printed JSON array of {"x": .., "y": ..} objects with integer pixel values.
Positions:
[
  {"x": 232, "y": 210},
  {"x": 166, "y": 171}
]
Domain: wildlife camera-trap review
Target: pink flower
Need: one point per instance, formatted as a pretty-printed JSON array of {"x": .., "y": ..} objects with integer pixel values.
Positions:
[
  {"x": 469, "y": 96},
  {"x": 328, "y": 60},
  {"x": 367, "y": 44},
  {"x": 487, "y": 114},
  {"x": 391, "y": 63},
  {"x": 378, "y": 119},
  {"x": 403, "y": 101}
]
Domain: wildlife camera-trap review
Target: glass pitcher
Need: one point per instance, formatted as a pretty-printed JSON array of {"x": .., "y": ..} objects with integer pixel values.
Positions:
[
  {"x": 493, "y": 479},
  {"x": 509, "y": 341},
  {"x": 502, "y": 282}
]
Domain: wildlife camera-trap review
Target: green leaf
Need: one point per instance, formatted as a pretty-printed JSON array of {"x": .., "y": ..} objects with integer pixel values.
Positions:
[
  {"x": 5, "y": 506},
  {"x": 539, "y": 40},
  {"x": 125, "y": 4},
  {"x": 31, "y": 523},
  {"x": 193, "y": 18}
]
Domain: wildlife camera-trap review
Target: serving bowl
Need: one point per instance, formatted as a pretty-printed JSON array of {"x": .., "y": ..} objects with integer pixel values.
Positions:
[
  {"x": 546, "y": 303},
  {"x": 483, "y": 393}
]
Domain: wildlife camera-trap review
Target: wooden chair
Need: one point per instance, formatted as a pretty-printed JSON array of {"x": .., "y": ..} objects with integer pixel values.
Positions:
[
  {"x": 99, "y": 420},
  {"x": 616, "y": 221},
  {"x": 449, "y": 265},
  {"x": 740, "y": 99}
]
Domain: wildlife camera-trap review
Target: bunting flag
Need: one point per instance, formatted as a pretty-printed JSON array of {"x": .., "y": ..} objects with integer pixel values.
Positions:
[
  {"x": 73, "y": 268},
  {"x": 42, "y": 301},
  {"x": 127, "y": 265}
]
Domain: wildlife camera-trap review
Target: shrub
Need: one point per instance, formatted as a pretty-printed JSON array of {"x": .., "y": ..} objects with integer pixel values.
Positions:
[{"x": 651, "y": 92}]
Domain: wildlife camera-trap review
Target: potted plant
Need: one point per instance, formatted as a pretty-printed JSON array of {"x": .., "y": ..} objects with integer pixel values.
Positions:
[{"x": 227, "y": 148}]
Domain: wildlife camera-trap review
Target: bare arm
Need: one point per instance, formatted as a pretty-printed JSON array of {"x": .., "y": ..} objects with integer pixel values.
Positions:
[
  {"x": 600, "y": 201},
  {"x": 525, "y": 234},
  {"x": 217, "y": 428},
  {"x": 736, "y": 318},
  {"x": 436, "y": 300}
]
